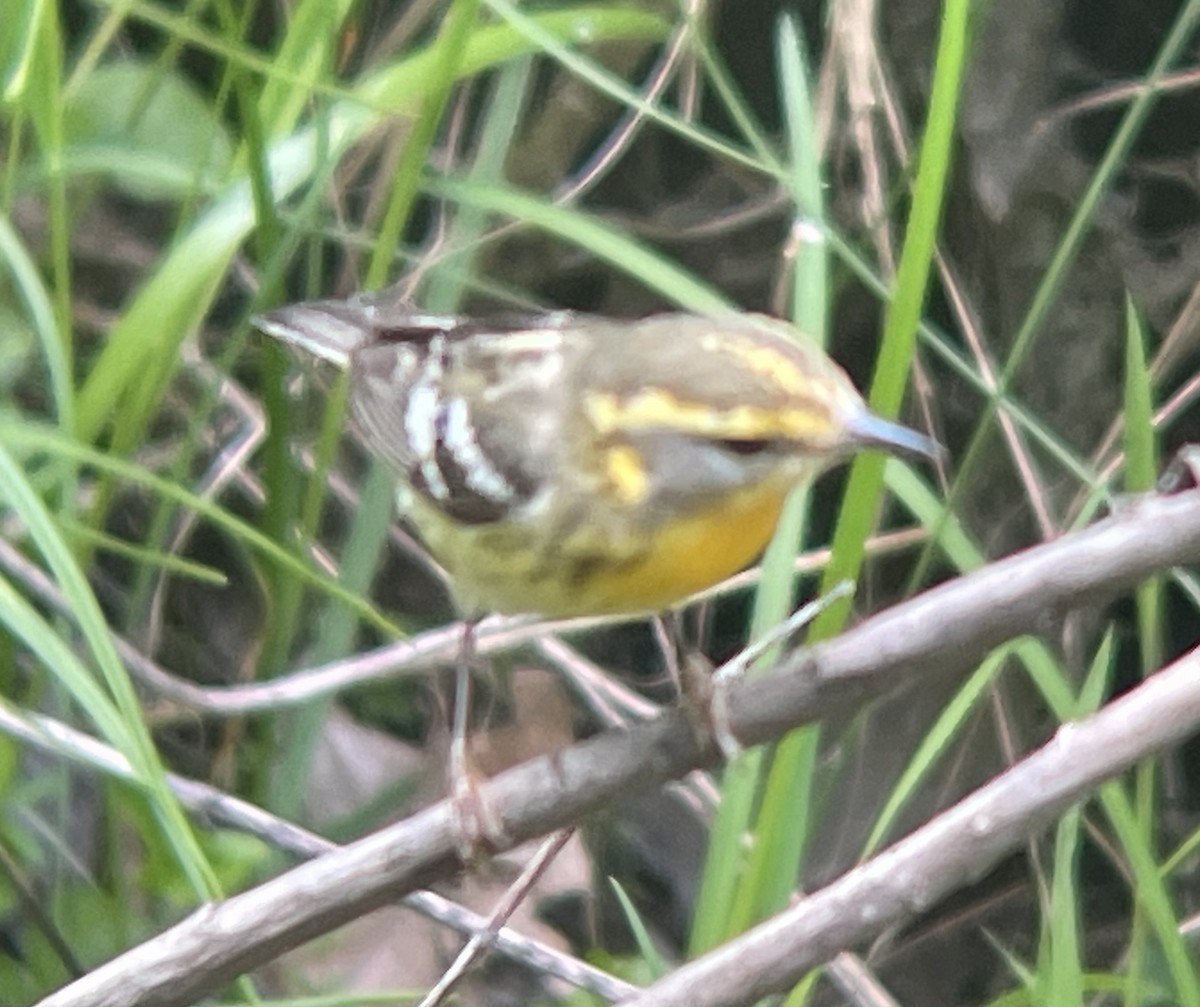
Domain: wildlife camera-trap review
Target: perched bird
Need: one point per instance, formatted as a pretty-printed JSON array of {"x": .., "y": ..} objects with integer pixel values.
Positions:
[{"x": 569, "y": 464}]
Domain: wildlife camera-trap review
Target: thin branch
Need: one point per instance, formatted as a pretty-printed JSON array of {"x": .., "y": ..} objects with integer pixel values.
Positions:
[
  {"x": 485, "y": 939},
  {"x": 391, "y": 662}
]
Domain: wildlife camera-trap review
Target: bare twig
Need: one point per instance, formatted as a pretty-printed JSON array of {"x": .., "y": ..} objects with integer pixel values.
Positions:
[
  {"x": 482, "y": 941},
  {"x": 857, "y": 983}
]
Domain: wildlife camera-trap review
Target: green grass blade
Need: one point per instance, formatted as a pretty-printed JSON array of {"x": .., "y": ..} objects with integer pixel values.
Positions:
[
  {"x": 1064, "y": 969},
  {"x": 650, "y": 955},
  {"x": 301, "y": 62},
  {"x": 949, "y": 725},
  {"x": 449, "y": 276},
  {"x": 179, "y": 565},
  {"x": 1153, "y": 899},
  {"x": 1141, "y": 470},
  {"x": 1141, "y": 463},
  {"x": 138, "y": 747},
  {"x": 448, "y": 52},
  {"x": 45, "y": 103},
  {"x": 904, "y": 310},
  {"x": 735, "y": 875},
  {"x": 24, "y": 622},
  {"x": 555, "y": 45},
  {"x": 33, "y": 293},
  {"x": 603, "y": 240}
]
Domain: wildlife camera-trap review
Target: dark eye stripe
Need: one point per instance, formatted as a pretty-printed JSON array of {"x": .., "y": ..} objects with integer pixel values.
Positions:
[{"x": 747, "y": 446}]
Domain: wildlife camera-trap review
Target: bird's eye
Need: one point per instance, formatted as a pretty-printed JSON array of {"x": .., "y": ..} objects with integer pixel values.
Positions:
[{"x": 747, "y": 446}]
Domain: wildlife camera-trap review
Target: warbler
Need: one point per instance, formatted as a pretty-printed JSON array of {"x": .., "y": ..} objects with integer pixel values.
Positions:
[{"x": 568, "y": 464}]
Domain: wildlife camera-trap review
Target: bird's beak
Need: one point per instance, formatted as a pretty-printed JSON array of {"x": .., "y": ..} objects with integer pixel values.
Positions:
[{"x": 867, "y": 430}]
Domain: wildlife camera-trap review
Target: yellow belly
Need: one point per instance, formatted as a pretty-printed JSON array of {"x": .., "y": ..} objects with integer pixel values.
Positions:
[
  {"x": 691, "y": 554},
  {"x": 598, "y": 572}
]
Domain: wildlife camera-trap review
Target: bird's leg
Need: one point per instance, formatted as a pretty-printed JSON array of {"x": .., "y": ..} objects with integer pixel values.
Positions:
[
  {"x": 689, "y": 669},
  {"x": 477, "y": 828}
]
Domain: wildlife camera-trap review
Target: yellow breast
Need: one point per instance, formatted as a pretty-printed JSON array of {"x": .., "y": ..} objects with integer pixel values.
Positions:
[{"x": 686, "y": 555}]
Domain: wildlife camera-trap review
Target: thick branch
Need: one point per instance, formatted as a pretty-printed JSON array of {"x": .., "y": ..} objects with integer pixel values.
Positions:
[
  {"x": 948, "y": 628},
  {"x": 952, "y": 627}
]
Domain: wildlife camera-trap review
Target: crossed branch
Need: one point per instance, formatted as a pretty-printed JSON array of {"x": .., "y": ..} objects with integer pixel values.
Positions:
[{"x": 944, "y": 631}]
